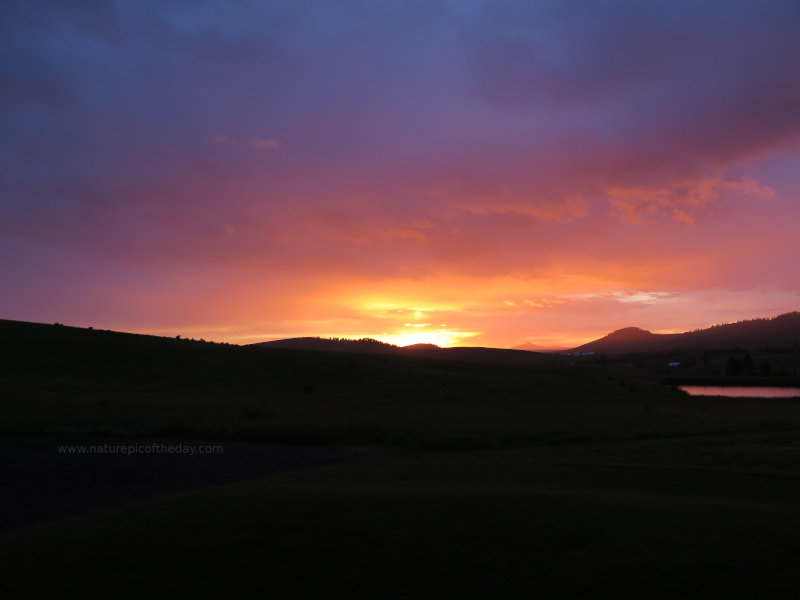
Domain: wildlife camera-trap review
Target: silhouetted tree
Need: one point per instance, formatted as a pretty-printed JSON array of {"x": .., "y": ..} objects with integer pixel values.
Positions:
[
  {"x": 734, "y": 366},
  {"x": 748, "y": 364},
  {"x": 766, "y": 368}
]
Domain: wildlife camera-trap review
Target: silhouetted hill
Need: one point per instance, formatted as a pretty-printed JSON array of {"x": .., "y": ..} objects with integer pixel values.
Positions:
[
  {"x": 370, "y": 346},
  {"x": 367, "y": 345},
  {"x": 421, "y": 348},
  {"x": 620, "y": 341},
  {"x": 780, "y": 332}
]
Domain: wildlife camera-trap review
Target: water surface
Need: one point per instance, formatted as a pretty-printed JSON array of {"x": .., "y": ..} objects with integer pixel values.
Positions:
[{"x": 740, "y": 391}]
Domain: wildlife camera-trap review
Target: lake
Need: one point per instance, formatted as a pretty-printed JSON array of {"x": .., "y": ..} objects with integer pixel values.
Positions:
[{"x": 741, "y": 391}]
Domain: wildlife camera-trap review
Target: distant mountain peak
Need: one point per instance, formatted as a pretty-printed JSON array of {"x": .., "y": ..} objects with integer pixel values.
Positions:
[
  {"x": 531, "y": 347},
  {"x": 629, "y": 333},
  {"x": 528, "y": 346}
]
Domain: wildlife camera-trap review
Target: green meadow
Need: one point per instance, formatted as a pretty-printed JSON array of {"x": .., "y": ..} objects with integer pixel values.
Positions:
[{"x": 472, "y": 480}]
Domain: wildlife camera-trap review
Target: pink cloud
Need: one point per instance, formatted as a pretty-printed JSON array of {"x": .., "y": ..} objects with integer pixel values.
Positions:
[{"x": 264, "y": 144}]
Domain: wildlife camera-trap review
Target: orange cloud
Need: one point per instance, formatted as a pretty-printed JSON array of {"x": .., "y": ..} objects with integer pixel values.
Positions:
[
  {"x": 573, "y": 207},
  {"x": 683, "y": 200}
]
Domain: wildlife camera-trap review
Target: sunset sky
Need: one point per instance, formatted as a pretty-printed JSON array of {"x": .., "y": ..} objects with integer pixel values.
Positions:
[{"x": 462, "y": 172}]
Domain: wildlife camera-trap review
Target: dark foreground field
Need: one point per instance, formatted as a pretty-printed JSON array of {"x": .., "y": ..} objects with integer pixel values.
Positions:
[{"x": 432, "y": 478}]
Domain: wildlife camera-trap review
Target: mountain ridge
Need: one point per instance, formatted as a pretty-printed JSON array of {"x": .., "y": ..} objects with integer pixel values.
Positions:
[{"x": 782, "y": 331}]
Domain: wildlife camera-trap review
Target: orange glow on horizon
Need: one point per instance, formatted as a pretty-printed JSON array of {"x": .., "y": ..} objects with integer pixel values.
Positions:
[
  {"x": 440, "y": 338},
  {"x": 550, "y": 312}
]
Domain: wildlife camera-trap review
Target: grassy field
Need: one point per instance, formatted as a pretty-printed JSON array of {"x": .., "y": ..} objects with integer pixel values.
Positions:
[
  {"x": 552, "y": 522},
  {"x": 476, "y": 481}
]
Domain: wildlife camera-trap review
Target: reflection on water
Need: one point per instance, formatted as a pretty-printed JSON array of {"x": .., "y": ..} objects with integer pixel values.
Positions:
[{"x": 741, "y": 392}]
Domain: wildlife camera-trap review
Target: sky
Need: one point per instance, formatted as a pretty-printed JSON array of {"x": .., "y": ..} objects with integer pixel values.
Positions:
[{"x": 461, "y": 172}]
